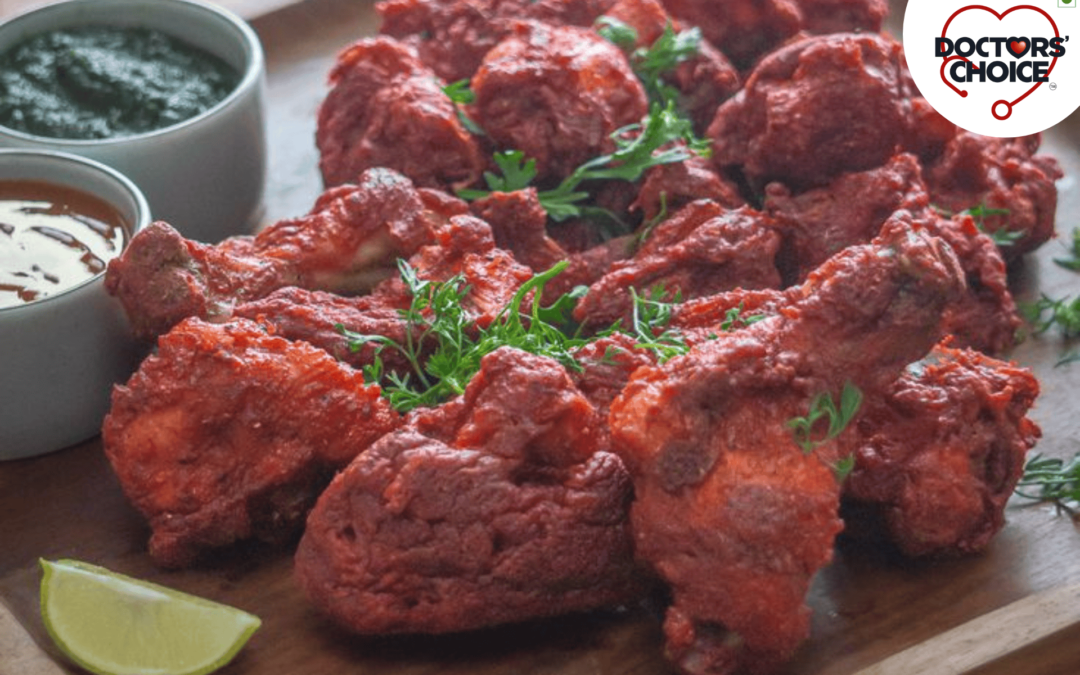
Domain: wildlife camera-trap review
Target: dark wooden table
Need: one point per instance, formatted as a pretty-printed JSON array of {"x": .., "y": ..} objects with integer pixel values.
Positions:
[{"x": 867, "y": 604}]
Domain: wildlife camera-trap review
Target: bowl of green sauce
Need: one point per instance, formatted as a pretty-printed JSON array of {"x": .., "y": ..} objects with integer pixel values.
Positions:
[
  {"x": 171, "y": 93},
  {"x": 63, "y": 340}
]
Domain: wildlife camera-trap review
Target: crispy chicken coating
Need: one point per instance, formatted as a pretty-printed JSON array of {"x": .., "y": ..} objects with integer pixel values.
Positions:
[
  {"x": 230, "y": 433},
  {"x": 700, "y": 250},
  {"x": 819, "y": 222},
  {"x": 498, "y": 506},
  {"x": 940, "y": 451},
  {"x": 347, "y": 243},
  {"x": 463, "y": 248},
  {"x": 745, "y": 29},
  {"x": 729, "y": 510},
  {"x": 1006, "y": 179},
  {"x": 814, "y": 109},
  {"x": 387, "y": 109},
  {"x": 452, "y": 36}
]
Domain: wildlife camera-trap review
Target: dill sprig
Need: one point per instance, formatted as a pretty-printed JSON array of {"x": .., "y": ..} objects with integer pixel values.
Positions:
[
  {"x": 651, "y": 316},
  {"x": 1049, "y": 479},
  {"x": 443, "y": 346},
  {"x": 1072, "y": 262},
  {"x": 1047, "y": 312}
]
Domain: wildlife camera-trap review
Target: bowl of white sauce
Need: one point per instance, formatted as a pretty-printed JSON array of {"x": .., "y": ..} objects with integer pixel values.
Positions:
[{"x": 64, "y": 341}]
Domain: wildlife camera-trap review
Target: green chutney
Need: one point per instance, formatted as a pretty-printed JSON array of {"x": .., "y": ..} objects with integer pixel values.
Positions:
[{"x": 95, "y": 82}]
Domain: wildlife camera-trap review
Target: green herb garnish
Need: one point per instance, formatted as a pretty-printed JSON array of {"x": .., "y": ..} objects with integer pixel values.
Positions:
[
  {"x": 652, "y": 314},
  {"x": 443, "y": 346},
  {"x": 1073, "y": 261},
  {"x": 460, "y": 94},
  {"x": 1048, "y": 479},
  {"x": 652, "y": 63},
  {"x": 837, "y": 418},
  {"x": 663, "y": 137},
  {"x": 733, "y": 318},
  {"x": 822, "y": 407},
  {"x": 1047, "y": 312},
  {"x": 1001, "y": 236}
]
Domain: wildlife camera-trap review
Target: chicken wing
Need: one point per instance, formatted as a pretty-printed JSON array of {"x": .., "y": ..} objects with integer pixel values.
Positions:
[
  {"x": 347, "y": 243},
  {"x": 729, "y": 510},
  {"x": 940, "y": 451},
  {"x": 230, "y": 433},
  {"x": 497, "y": 506}
]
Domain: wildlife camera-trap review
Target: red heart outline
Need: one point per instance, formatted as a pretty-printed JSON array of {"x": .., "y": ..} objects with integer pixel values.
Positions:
[{"x": 1000, "y": 17}]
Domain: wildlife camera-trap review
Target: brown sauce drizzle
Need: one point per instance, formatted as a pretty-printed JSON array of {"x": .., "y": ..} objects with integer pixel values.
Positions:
[{"x": 52, "y": 238}]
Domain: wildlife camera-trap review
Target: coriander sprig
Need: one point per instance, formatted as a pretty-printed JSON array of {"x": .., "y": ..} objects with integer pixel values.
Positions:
[
  {"x": 652, "y": 63},
  {"x": 733, "y": 318},
  {"x": 662, "y": 137}
]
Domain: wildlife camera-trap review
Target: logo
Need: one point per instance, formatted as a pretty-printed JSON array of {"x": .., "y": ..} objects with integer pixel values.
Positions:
[{"x": 997, "y": 69}]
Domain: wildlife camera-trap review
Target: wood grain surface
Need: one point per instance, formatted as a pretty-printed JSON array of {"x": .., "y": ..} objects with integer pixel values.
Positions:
[{"x": 869, "y": 606}]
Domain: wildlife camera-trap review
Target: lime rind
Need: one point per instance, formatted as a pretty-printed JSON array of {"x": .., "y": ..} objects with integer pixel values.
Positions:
[{"x": 112, "y": 624}]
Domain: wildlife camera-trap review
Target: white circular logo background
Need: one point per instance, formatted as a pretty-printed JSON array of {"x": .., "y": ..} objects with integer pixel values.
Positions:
[{"x": 996, "y": 68}]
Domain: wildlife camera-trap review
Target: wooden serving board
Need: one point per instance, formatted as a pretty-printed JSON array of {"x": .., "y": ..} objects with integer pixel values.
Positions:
[{"x": 868, "y": 605}]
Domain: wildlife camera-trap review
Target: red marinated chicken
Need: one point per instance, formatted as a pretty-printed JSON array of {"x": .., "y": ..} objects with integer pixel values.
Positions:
[
  {"x": 387, "y": 109},
  {"x": 556, "y": 93},
  {"x": 347, "y": 243},
  {"x": 729, "y": 510},
  {"x": 498, "y": 506},
  {"x": 229, "y": 433},
  {"x": 939, "y": 453}
]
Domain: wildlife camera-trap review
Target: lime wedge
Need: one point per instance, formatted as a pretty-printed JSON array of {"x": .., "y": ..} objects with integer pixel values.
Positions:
[{"x": 111, "y": 624}]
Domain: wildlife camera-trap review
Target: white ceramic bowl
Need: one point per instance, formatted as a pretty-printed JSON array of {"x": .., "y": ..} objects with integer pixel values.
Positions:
[
  {"x": 206, "y": 175},
  {"x": 61, "y": 354}
]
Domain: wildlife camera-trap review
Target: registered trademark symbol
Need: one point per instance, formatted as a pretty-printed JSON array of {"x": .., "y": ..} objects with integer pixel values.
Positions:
[{"x": 1053, "y": 86}]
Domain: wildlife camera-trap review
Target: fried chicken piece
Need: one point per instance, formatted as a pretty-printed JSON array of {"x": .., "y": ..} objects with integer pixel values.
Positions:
[
  {"x": 850, "y": 210},
  {"x": 347, "y": 243},
  {"x": 700, "y": 250},
  {"x": 387, "y": 109},
  {"x": 940, "y": 451},
  {"x": 995, "y": 174},
  {"x": 814, "y": 109},
  {"x": 229, "y": 433},
  {"x": 556, "y": 93},
  {"x": 986, "y": 317},
  {"x": 496, "y": 507},
  {"x": 463, "y": 248},
  {"x": 669, "y": 187},
  {"x": 843, "y": 16},
  {"x": 729, "y": 509},
  {"x": 820, "y": 222},
  {"x": 519, "y": 223}
]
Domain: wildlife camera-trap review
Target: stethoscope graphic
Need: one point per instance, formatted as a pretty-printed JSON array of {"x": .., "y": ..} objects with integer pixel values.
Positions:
[{"x": 1008, "y": 105}]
